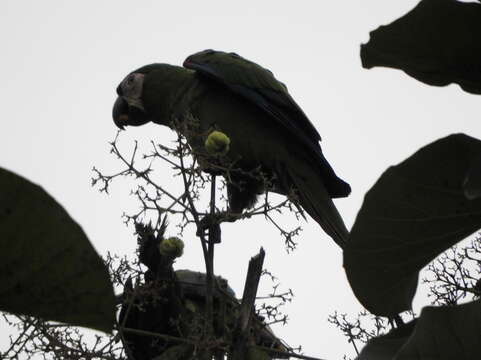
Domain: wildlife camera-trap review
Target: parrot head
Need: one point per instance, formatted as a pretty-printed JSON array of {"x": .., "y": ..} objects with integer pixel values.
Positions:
[{"x": 140, "y": 96}]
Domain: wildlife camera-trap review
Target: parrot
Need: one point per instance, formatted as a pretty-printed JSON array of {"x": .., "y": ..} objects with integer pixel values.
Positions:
[
  {"x": 266, "y": 129},
  {"x": 173, "y": 302}
]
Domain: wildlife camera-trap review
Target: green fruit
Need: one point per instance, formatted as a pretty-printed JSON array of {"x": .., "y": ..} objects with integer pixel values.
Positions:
[
  {"x": 217, "y": 143},
  {"x": 172, "y": 247}
]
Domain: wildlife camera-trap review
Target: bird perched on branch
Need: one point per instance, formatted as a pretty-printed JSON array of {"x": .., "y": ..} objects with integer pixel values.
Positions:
[{"x": 267, "y": 130}]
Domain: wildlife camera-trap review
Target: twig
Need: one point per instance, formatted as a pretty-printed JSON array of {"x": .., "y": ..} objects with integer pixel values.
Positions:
[
  {"x": 285, "y": 353},
  {"x": 254, "y": 272},
  {"x": 210, "y": 265},
  {"x": 169, "y": 338}
]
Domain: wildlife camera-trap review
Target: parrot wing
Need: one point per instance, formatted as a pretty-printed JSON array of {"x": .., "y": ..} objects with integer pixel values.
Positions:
[{"x": 259, "y": 86}]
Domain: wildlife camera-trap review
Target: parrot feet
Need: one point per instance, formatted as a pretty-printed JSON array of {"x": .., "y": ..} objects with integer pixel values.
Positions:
[{"x": 211, "y": 223}]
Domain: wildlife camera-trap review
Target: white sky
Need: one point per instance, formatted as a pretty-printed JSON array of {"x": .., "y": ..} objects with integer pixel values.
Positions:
[{"x": 61, "y": 61}]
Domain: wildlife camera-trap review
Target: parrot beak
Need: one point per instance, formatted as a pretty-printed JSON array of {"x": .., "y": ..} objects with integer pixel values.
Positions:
[
  {"x": 125, "y": 114},
  {"x": 120, "y": 113}
]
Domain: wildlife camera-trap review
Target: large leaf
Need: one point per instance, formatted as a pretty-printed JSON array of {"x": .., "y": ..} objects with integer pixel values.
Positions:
[
  {"x": 385, "y": 347},
  {"x": 177, "y": 352},
  {"x": 438, "y": 43},
  {"x": 48, "y": 268},
  {"x": 416, "y": 210},
  {"x": 441, "y": 333},
  {"x": 472, "y": 182}
]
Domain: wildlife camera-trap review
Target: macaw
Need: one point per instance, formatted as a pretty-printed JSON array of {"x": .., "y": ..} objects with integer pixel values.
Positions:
[{"x": 268, "y": 131}]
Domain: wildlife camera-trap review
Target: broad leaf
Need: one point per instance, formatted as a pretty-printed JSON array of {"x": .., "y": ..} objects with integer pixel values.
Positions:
[
  {"x": 438, "y": 43},
  {"x": 48, "y": 268},
  {"x": 472, "y": 182},
  {"x": 385, "y": 347},
  {"x": 415, "y": 211},
  {"x": 177, "y": 352},
  {"x": 440, "y": 333},
  {"x": 256, "y": 354}
]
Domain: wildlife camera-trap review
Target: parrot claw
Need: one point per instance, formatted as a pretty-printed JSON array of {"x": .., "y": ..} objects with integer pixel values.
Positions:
[{"x": 212, "y": 224}]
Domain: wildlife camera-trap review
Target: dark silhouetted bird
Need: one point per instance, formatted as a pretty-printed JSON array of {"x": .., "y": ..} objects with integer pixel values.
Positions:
[{"x": 268, "y": 131}]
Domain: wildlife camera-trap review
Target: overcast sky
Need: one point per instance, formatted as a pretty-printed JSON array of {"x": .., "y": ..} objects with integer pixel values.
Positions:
[{"x": 62, "y": 60}]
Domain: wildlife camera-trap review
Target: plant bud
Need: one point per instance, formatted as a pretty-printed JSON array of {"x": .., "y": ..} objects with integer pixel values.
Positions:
[
  {"x": 217, "y": 143},
  {"x": 172, "y": 247}
]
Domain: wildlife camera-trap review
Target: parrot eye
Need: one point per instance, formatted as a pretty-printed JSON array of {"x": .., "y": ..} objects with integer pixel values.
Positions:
[
  {"x": 129, "y": 82},
  {"x": 131, "y": 86}
]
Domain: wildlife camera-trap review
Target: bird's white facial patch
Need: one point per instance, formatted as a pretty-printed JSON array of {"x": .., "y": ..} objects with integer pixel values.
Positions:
[{"x": 132, "y": 89}]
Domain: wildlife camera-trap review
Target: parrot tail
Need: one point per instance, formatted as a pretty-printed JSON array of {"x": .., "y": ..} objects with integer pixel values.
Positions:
[{"x": 315, "y": 200}]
